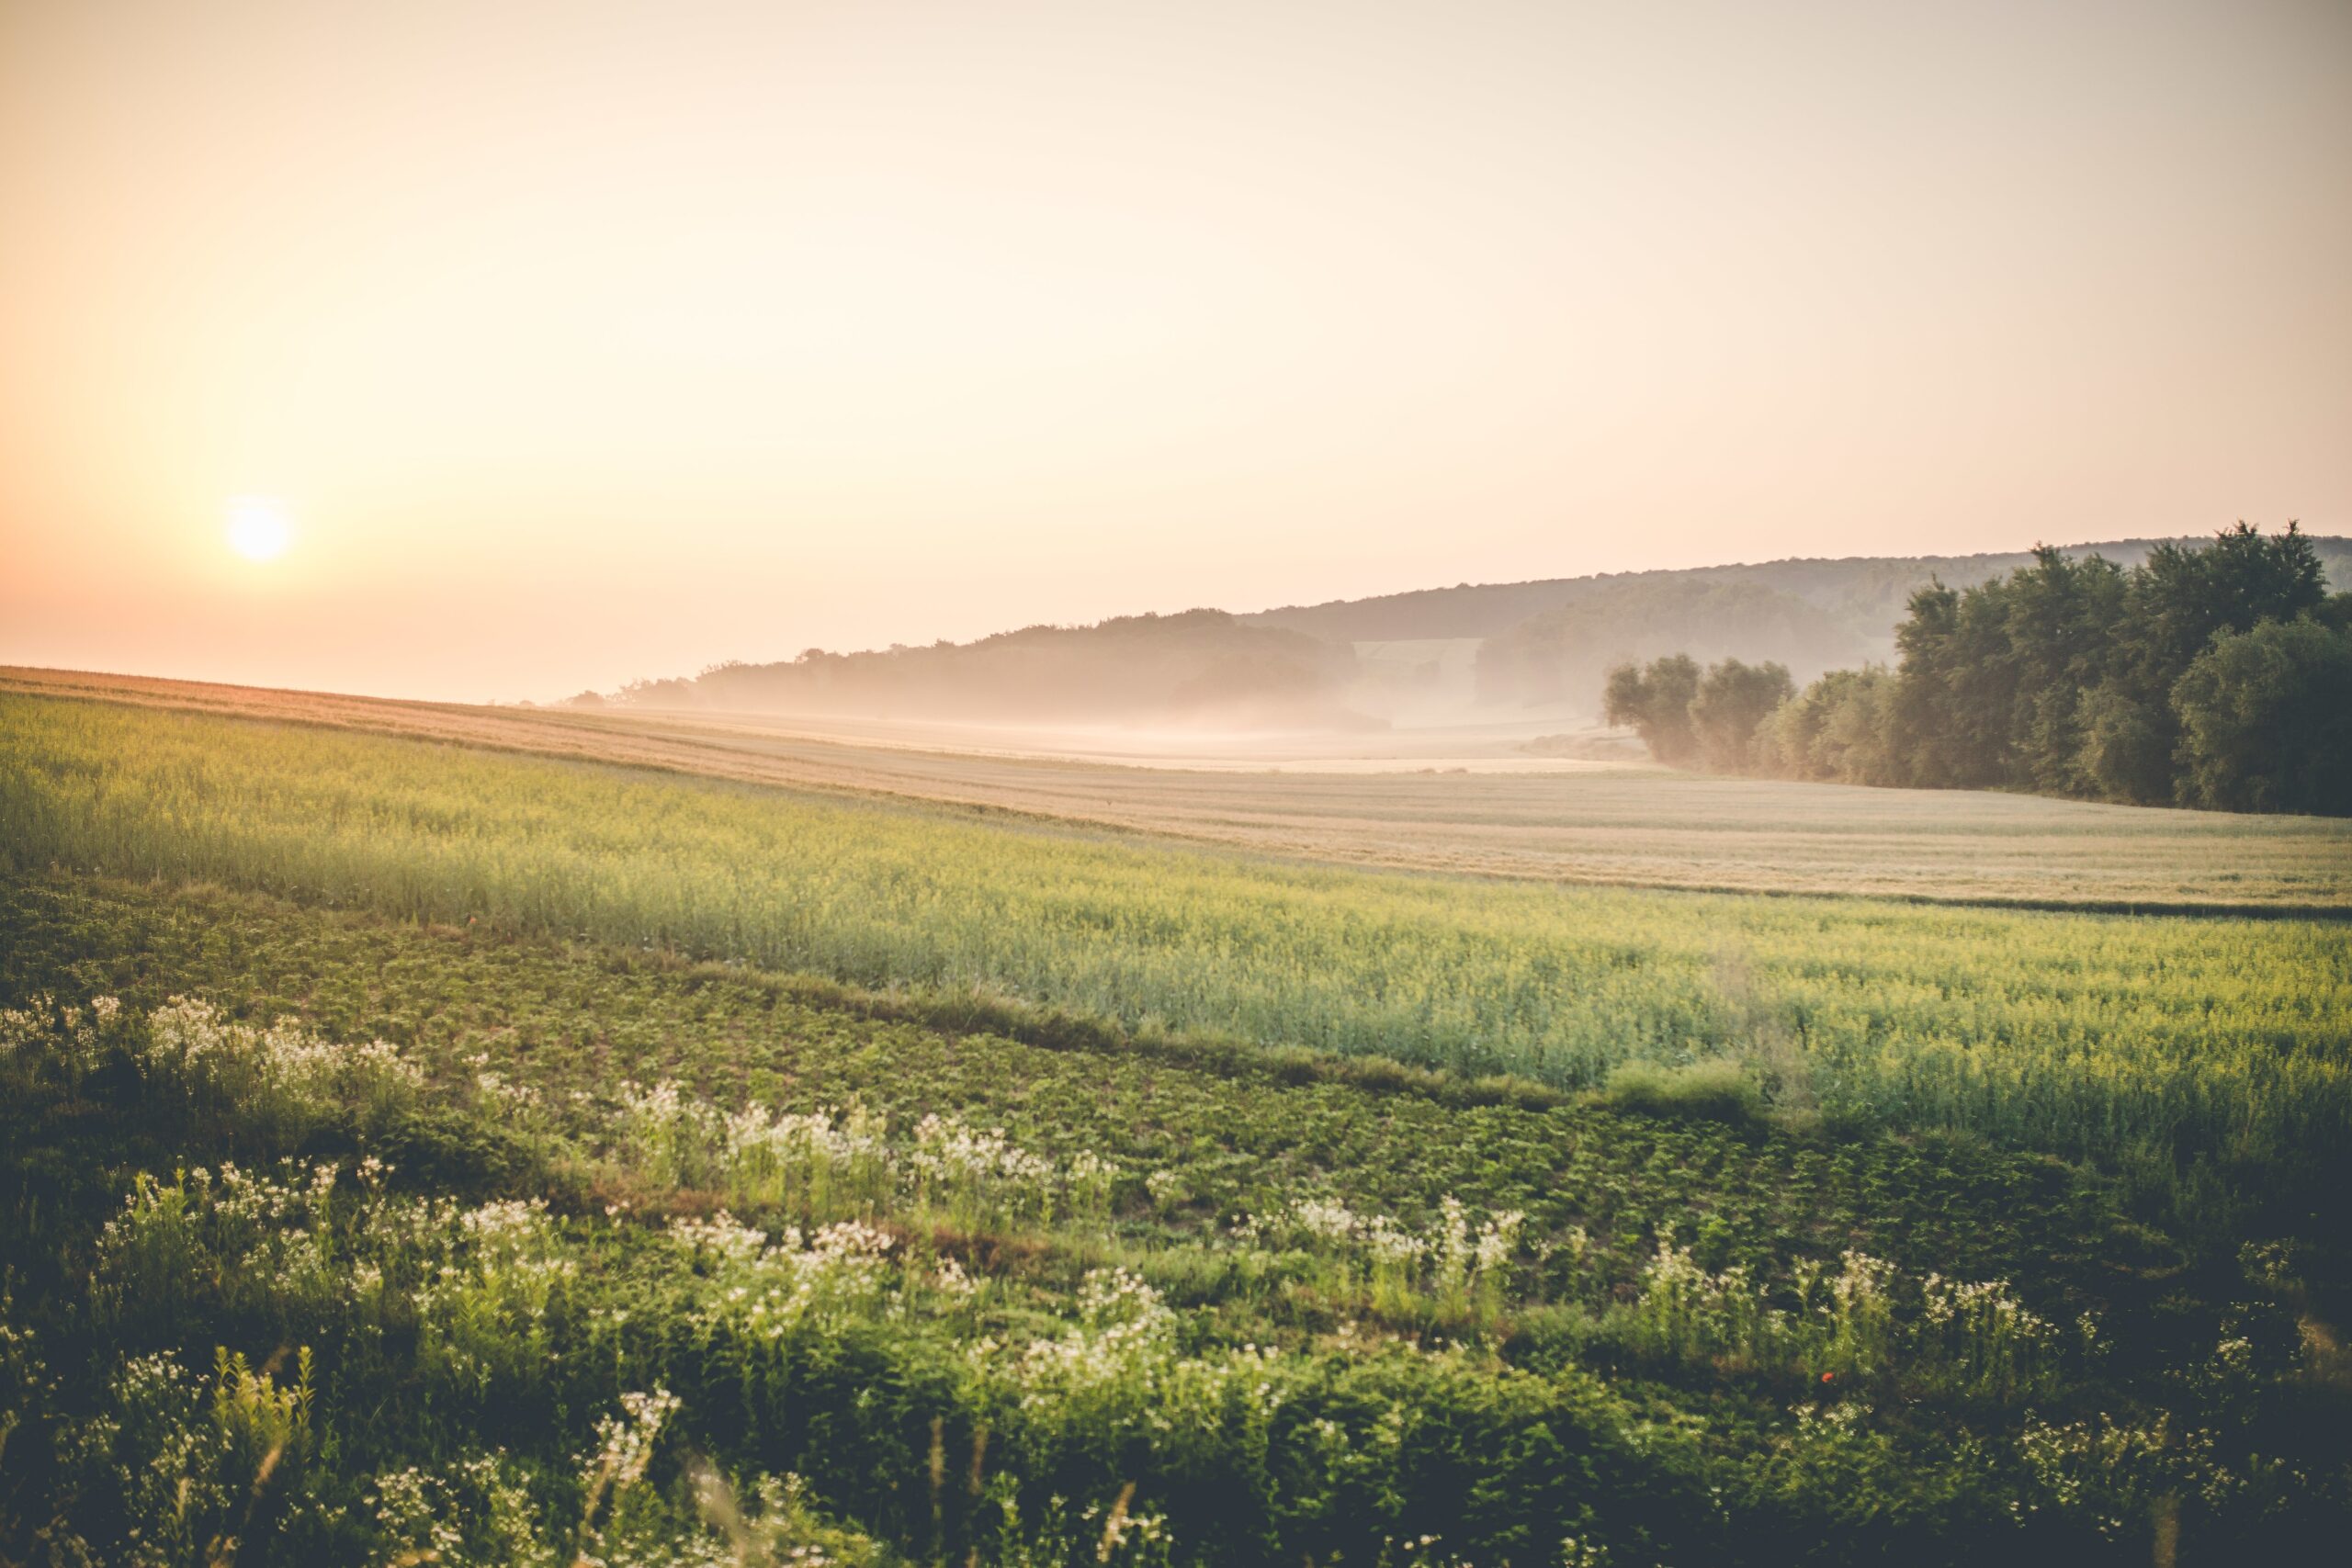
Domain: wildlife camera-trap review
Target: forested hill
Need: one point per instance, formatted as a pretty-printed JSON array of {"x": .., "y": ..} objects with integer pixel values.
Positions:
[
  {"x": 1863, "y": 595},
  {"x": 1203, "y": 666},
  {"x": 1546, "y": 642}
]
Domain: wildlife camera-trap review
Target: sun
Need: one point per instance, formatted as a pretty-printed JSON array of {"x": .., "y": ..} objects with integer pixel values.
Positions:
[{"x": 259, "y": 527}]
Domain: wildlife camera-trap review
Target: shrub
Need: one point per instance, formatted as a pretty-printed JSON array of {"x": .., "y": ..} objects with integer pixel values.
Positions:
[{"x": 1715, "y": 1089}]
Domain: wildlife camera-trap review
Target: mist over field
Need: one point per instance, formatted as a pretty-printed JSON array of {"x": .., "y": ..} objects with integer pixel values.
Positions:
[{"x": 1511, "y": 656}]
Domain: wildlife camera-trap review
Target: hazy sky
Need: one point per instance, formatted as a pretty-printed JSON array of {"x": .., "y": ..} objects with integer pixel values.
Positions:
[{"x": 584, "y": 340}]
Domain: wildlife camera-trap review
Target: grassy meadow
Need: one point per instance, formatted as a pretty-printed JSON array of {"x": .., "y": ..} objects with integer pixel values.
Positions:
[
  {"x": 1610, "y": 827},
  {"x": 653, "y": 1168}
]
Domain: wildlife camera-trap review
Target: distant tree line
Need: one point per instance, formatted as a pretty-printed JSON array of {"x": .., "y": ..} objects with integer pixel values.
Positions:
[{"x": 2215, "y": 676}]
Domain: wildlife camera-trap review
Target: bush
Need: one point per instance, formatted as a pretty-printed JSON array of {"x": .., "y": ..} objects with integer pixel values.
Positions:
[{"x": 1717, "y": 1090}]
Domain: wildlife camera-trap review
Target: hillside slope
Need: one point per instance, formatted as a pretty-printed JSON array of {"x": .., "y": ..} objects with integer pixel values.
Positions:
[
  {"x": 1563, "y": 655},
  {"x": 1199, "y": 666},
  {"x": 1863, "y": 593}
]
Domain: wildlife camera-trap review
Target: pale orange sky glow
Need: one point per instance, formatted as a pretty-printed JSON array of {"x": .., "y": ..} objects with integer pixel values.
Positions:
[{"x": 584, "y": 341}]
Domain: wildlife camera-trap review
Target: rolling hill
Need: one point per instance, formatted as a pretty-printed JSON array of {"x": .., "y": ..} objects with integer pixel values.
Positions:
[
  {"x": 1865, "y": 593},
  {"x": 1422, "y": 657}
]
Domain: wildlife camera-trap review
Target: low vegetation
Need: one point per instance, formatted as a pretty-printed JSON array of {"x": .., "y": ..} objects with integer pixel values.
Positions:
[
  {"x": 2219, "y": 1087},
  {"x": 336, "y": 1238}
]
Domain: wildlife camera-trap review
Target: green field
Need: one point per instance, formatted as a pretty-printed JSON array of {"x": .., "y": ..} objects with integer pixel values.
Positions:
[
  {"x": 2204, "y": 1052},
  {"x": 1272, "y": 1212},
  {"x": 1405, "y": 802}
]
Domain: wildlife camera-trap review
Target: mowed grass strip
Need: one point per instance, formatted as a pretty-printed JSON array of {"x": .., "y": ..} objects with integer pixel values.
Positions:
[{"x": 2206, "y": 1057}]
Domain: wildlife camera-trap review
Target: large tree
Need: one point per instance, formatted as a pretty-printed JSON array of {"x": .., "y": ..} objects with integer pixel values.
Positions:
[
  {"x": 1733, "y": 699},
  {"x": 1656, "y": 700},
  {"x": 2265, "y": 719},
  {"x": 2178, "y": 602},
  {"x": 1837, "y": 729}
]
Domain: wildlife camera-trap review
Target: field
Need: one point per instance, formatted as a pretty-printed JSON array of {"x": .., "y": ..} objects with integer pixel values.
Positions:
[
  {"x": 751, "y": 1169},
  {"x": 1465, "y": 802}
]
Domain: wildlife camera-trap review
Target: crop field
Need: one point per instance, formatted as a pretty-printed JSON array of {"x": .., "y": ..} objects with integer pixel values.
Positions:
[
  {"x": 994, "y": 1287},
  {"x": 439, "y": 1153},
  {"x": 2227, "y": 1080},
  {"x": 1630, "y": 827}
]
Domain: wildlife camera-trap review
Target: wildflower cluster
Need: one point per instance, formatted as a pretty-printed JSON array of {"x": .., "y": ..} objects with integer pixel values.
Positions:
[
  {"x": 1996, "y": 1346},
  {"x": 1125, "y": 1330},
  {"x": 612, "y": 1473},
  {"x": 1456, "y": 1264},
  {"x": 763, "y": 1291},
  {"x": 163, "y": 1249},
  {"x": 624, "y": 1442},
  {"x": 1863, "y": 1320},
  {"x": 63, "y": 1043},
  {"x": 819, "y": 1164},
  {"x": 979, "y": 1179},
  {"x": 181, "y": 1460},
  {"x": 273, "y": 1085},
  {"x": 2104, "y": 1470},
  {"x": 484, "y": 1310}
]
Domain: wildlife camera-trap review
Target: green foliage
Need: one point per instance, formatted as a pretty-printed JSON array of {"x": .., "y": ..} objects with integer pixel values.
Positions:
[
  {"x": 1837, "y": 729},
  {"x": 1732, "y": 701},
  {"x": 2207, "y": 676},
  {"x": 1717, "y": 1089},
  {"x": 607, "y": 1367},
  {"x": 1655, "y": 699},
  {"x": 2266, "y": 720},
  {"x": 1686, "y": 717}
]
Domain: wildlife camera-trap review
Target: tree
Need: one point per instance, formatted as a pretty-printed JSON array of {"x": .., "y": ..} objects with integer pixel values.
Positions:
[
  {"x": 1925, "y": 726},
  {"x": 1837, "y": 729},
  {"x": 2183, "y": 596},
  {"x": 2059, "y": 677},
  {"x": 2179, "y": 601},
  {"x": 1733, "y": 699},
  {"x": 1656, "y": 700},
  {"x": 2127, "y": 745},
  {"x": 2265, "y": 719},
  {"x": 2060, "y": 622}
]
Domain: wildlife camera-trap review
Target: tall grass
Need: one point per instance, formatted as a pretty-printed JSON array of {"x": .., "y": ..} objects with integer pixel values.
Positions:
[{"x": 2208, "y": 1057}]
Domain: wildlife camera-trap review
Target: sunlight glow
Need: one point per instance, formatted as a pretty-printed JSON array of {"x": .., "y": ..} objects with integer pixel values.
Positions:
[{"x": 259, "y": 528}]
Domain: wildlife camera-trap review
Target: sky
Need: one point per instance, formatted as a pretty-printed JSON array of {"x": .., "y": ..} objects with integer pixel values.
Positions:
[{"x": 572, "y": 343}]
